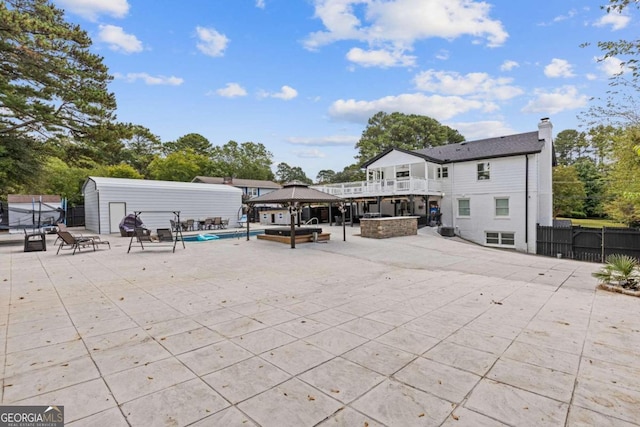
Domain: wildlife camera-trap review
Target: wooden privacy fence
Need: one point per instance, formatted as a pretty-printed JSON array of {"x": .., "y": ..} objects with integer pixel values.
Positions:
[{"x": 587, "y": 244}]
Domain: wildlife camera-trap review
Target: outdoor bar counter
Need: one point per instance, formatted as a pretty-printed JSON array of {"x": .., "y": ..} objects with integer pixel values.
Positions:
[{"x": 383, "y": 228}]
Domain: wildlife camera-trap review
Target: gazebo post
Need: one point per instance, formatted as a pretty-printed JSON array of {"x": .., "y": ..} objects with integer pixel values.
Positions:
[
  {"x": 248, "y": 209},
  {"x": 293, "y": 214}
]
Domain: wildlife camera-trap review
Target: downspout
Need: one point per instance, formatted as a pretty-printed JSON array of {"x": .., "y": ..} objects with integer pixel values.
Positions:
[{"x": 526, "y": 202}]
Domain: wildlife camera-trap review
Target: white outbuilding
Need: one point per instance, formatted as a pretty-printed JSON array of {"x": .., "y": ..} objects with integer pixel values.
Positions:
[{"x": 108, "y": 200}]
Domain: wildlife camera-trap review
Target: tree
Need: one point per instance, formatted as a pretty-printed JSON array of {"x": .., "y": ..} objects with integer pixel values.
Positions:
[
  {"x": 21, "y": 160},
  {"x": 593, "y": 181},
  {"x": 60, "y": 178},
  {"x": 191, "y": 141},
  {"x": 286, "y": 173},
  {"x": 568, "y": 192},
  {"x": 325, "y": 176},
  {"x": 181, "y": 166},
  {"x": 624, "y": 179},
  {"x": 140, "y": 149},
  {"x": 570, "y": 145},
  {"x": 601, "y": 140},
  {"x": 626, "y": 48},
  {"x": 350, "y": 173},
  {"x": 248, "y": 160},
  {"x": 409, "y": 132},
  {"x": 118, "y": 171},
  {"x": 621, "y": 105},
  {"x": 50, "y": 82}
]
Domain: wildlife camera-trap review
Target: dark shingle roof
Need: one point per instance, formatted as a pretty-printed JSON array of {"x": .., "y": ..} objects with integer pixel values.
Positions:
[
  {"x": 296, "y": 192},
  {"x": 503, "y": 146}
]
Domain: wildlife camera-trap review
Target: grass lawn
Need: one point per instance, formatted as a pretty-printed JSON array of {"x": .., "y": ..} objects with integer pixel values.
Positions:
[{"x": 595, "y": 222}]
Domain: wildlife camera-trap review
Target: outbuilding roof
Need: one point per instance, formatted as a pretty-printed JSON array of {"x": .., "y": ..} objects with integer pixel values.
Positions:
[{"x": 148, "y": 183}]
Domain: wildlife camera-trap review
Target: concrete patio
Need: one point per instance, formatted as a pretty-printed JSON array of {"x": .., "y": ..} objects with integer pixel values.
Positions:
[{"x": 411, "y": 331}]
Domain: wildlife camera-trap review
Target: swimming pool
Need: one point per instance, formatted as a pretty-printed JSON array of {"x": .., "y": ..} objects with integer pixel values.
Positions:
[{"x": 224, "y": 235}]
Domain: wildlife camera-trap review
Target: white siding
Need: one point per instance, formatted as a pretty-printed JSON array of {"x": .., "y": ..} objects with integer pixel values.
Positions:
[
  {"x": 507, "y": 180},
  {"x": 91, "y": 207},
  {"x": 193, "y": 200},
  {"x": 395, "y": 158}
]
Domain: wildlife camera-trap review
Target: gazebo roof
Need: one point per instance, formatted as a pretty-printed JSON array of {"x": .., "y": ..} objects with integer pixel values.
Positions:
[{"x": 296, "y": 192}]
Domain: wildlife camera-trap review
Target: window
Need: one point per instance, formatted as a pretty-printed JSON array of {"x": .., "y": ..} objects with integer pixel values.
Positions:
[
  {"x": 252, "y": 192},
  {"x": 484, "y": 171},
  {"x": 502, "y": 207},
  {"x": 464, "y": 207},
  {"x": 500, "y": 238},
  {"x": 443, "y": 172},
  {"x": 402, "y": 174}
]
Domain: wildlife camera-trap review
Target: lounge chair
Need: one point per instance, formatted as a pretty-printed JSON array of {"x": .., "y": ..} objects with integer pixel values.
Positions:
[{"x": 75, "y": 242}]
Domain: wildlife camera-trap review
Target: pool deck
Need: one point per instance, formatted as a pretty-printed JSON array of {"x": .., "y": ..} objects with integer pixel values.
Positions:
[{"x": 409, "y": 331}]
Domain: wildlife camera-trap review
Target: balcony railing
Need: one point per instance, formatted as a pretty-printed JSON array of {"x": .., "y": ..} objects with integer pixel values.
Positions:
[{"x": 383, "y": 187}]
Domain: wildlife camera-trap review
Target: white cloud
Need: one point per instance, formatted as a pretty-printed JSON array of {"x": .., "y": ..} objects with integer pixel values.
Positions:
[
  {"x": 118, "y": 40},
  {"x": 310, "y": 154},
  {"x": 479, "y": 85},
  {"x": 442, "y": 55},
  {"x": 91, "y": 9},
  {"x": 149, "y": 79},
  {"x": 563, "y": 98},
  {"x": 508, "y": 65},
  {"x": 231, "y": 90},
  {"x": 559, "y": 68},
  {"x": 569, "y": 15},
  {"x": 617, "y": 21},
  {"x": 286, "y": 92},
  {"x": 260, "y": 4},
  {"x": 327, "y": 141},
  {"x": 379, "y": 58},
  {"x": 611, "y": 66},
  {"x": 483, "y": 129},
  {"x": 591, "y": 76},
  {"x": 211, "y": 43},
  {"x": 402, "y": 22},
  {"x": 388, "y": 25},
  {"x": 436, "y": 106}
]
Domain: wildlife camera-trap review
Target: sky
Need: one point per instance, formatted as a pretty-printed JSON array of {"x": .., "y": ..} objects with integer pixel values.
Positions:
[{"x": 302, "y": 77}]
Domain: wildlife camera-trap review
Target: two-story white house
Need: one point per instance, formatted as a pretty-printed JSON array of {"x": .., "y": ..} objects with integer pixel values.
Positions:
[{"x": 492, "y": 191}]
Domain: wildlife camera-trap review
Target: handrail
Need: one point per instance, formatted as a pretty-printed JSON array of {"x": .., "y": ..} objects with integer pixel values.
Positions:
[{"x": 311, "y": 221}]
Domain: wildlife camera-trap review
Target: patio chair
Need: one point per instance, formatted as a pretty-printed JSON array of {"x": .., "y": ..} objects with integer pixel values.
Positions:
[
  {"x": 75, "y": 242},
  {"x": 242, "y": 221},
  {"x": 190, "y": 224},
  {"x": 217, "y": 222},
  {"x": 225, "y": 223},
  {"x": 208, "y": 223}
]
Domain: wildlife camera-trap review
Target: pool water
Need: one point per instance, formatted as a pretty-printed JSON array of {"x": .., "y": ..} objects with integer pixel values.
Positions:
[{"x": 227, "y": 235}]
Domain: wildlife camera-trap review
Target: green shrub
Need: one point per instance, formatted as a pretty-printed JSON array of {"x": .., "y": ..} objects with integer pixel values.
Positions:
[{"x": 620, "y": 269}]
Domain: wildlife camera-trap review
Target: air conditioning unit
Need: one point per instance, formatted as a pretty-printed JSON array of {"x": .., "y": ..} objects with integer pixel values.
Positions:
[{"x": 447, "y": 231}]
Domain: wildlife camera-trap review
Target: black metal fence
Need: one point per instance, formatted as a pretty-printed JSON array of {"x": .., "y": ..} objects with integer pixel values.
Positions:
[
  {"x": 75, "y": 216},
  {"x": 587, "y": 244}
]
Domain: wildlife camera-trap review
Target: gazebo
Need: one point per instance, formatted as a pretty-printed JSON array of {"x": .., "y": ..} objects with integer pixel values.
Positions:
[{"x": 294, "y": 195}]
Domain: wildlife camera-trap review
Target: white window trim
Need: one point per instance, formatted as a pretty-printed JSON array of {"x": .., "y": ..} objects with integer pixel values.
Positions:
[
  {"x": 487, "y": 170},
  {"x": 500, "y": 244},
  {"x": 440, "y": 170},
  {"x": 458, "y": 207},
  {"x": 495, "y": 207}
]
